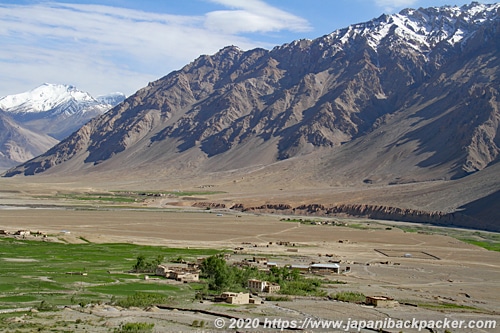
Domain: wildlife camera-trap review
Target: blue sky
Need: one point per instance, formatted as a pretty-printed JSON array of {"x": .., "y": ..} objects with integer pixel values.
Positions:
[{"x": 103, "y": 46}]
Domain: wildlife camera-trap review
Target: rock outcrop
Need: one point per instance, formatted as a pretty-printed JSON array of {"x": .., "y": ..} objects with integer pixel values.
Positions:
[
  {"x": 379, "y": 212},
  {"x": 421, "y": 84}
]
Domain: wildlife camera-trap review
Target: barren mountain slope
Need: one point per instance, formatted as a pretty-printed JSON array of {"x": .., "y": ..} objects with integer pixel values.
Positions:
[
  {"x": 410, "y": 98},
  {"x": 430, "y": 74},
  {"x": 18, "y": 144}
]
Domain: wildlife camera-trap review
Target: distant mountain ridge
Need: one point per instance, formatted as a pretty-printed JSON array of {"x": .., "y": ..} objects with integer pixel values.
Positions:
[
  {"x": 419, "y": 88},
  {"x": 18, "y": 144},
  {"x": 46, "y": 98},
  {"x": 35, "y": 120},
  {"x": 112, "y": 99},
  {"x": 55, "y": 109}
]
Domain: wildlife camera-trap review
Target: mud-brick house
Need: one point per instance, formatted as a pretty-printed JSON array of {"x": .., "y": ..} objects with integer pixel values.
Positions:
[
  {"x": 381, "y": 301},
  {"x": 234, "y": 298},
  {"x": 325, "y": 268},
  {"x": 185, "y": 276},
  {"x": 178, "y": 273},
  {"x": 300, "y": 268},
  {"x": 255, "y": 285},
  {"x": 260, "y": 260},
  {"x": 162, "y": 270},
  {"x": 23, "y": 232}
]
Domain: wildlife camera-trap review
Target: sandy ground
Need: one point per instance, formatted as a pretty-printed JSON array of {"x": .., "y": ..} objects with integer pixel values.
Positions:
[{"x": 440, "y": 270}]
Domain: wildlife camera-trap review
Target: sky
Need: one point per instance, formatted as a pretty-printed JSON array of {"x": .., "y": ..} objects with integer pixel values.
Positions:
[{"x": 105, "y": 46}]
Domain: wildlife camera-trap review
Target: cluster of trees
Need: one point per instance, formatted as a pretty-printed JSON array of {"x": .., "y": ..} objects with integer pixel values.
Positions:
[
  {"x": 221, "y": 277},
  {"x": 143, "y": 265}
]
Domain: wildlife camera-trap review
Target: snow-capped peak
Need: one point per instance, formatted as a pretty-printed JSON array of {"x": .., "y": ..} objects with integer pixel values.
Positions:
[
  {"x": 421, "y": 28},
  {"x": 55, "y": 109},
  {"x": 44, "y": 98},
  {"x": 112, "y": 99}
]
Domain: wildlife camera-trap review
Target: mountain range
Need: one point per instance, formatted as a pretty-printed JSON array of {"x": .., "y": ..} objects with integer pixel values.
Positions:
[
  {"x": 407, "y": 98},
  {"x": 34, "y": 121}
]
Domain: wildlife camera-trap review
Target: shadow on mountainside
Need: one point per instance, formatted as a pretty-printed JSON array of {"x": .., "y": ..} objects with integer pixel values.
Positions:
[{"x": 485, "y": 209}]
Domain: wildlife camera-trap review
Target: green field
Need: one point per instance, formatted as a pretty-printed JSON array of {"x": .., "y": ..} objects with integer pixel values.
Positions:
[
  {"x": 484, "y": 239},
  {"x": 35, "y": 271},
  {"x": 121, "y": 197}
]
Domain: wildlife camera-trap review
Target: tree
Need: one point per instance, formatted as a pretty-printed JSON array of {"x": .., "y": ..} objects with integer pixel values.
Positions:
[
  {"x": 159, "y": 260},
  {"x": 217, "y": 272},
  {"x": 280, "y": 275},
  {"x": 140, "y": 264},
  {"x": 148, "y": 266}
]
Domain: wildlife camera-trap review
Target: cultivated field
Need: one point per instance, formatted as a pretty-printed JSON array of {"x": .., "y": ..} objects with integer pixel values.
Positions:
[{"x": 432, "y": 275}]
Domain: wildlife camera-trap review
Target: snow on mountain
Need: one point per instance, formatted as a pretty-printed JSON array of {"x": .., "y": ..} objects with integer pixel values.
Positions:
[
  {"x": 58, "y": 99},
  {"x": 421, "y": 28},
  {"x": 412, "y": 97},
  {"x": 45, "y": 98},
  {"x": 112, "y": 99},
  {"x": 55, "y": 109}
]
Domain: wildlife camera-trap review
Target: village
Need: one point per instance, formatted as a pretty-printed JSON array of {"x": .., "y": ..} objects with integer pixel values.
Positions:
[
  {"x": 257, "y": 290},
  {"x": 359, "y": 275}
]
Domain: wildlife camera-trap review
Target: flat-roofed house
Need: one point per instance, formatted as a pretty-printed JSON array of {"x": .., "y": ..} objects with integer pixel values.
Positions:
[
  {"x": 23, "y": 232},
  {"x": 325, "y": 268},
  {"x": 260, "y": 260},
  {"x": 178, "y": 273},
  {"x": 256, "y": 285},
  {"x": 162, "y": 270},
  {"x": 185, "y": 276},
  {"x": 263, "y": 286},
  {"x": 301, "y": 268},
  {"x": 381, "y": 301},
  {"x": 272, "y": 288},
  {"x": 234, "y": 298}
]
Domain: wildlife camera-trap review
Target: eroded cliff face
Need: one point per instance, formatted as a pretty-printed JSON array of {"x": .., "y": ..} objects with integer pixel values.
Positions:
[{"x": 377, "y": 212}]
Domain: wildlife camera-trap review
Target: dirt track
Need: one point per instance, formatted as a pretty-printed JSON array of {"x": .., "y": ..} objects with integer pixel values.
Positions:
[
  {"x": 464, "y": 275},
  {"x": 459, "y": 262}
]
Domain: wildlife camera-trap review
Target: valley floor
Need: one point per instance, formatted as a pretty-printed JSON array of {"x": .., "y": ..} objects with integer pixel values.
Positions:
[{"x": 433, "y": 276}]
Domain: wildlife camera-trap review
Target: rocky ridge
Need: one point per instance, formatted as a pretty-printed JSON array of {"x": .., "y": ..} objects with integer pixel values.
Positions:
[
  {"x": 403, "y": 99},
  {"x": 380, "y": 212},
  {"x": 433, "y": 68}
]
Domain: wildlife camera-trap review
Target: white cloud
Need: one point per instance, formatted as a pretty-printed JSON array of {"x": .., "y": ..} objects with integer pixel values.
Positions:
[
  {"x": 390, "y": 5},
  {"x": 102, "y": 48},
  {"x": 253, "y": 16}
]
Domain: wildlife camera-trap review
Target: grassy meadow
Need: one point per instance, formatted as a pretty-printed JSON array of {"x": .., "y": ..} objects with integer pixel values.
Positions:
[{"x": 36, "y": 271}]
